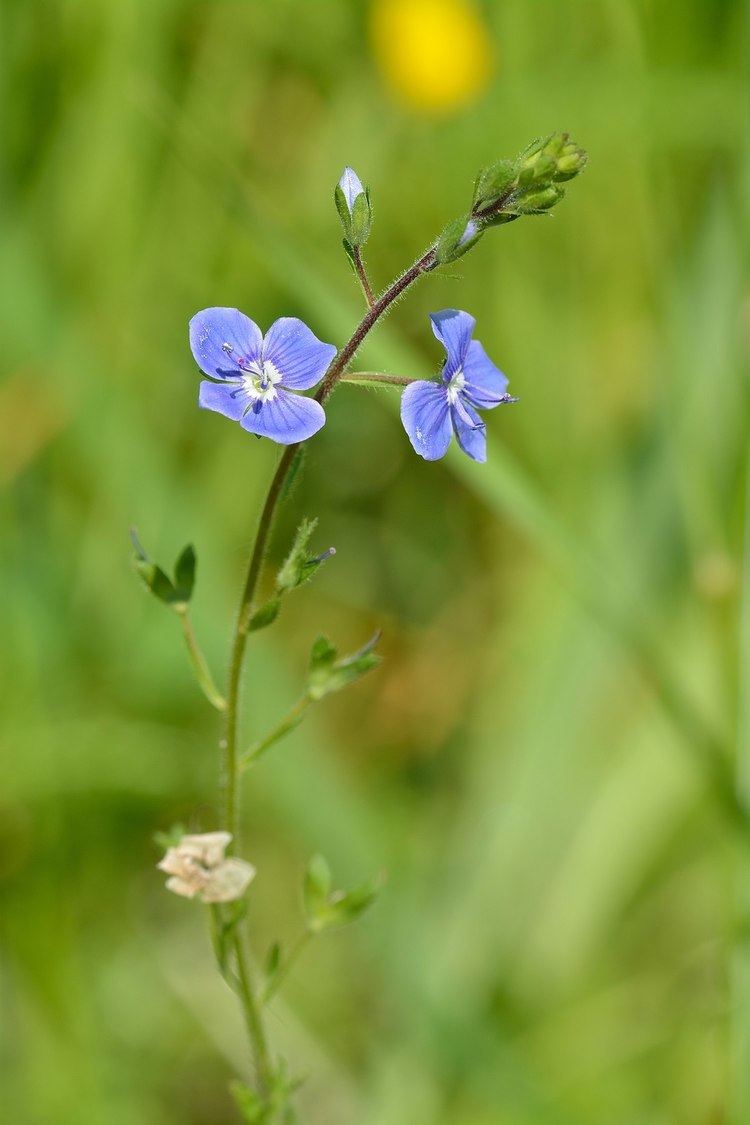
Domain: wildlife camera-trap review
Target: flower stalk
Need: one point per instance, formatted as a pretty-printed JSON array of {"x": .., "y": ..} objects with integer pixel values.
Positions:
[{"x": 255, "y": 379}]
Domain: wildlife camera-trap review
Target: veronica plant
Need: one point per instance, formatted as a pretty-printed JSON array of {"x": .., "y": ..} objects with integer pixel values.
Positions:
[{"x": 259, "y": 382}]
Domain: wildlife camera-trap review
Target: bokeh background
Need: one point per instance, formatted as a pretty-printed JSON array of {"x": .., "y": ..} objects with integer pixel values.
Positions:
[{"x": 549, "y": 764}]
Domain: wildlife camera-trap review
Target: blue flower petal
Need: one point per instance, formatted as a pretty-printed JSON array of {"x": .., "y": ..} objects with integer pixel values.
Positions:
[
  {"x": 485, "y": 384},
  {"x": 453, "y": 329},
  {"x": 220, "y": 338},
  {"x": 426, "y": 418},
  {"x": 226, "y": 399},
  {"x": 351, "y": 185},
  {"x": 297, "y": 354},
  {"x": 470, "y": 429},
  {"x": 286, "y": 418}
]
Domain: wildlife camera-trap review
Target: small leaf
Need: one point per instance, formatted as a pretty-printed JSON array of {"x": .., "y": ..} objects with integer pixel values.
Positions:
[
  {"x": 157, "y": 582},
  {"x": 184, "y": 573},
  {"x": 153, "y": 576},
  {"x": 273, "y": 960},
  {"x": 347, "y": 906},
  {"x": 316, "y": 887},
  {"x": 265, "y": 616}
]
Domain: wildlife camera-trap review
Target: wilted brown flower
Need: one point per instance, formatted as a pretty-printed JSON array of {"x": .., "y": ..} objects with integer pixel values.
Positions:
[{"x": 198, "y": 866}]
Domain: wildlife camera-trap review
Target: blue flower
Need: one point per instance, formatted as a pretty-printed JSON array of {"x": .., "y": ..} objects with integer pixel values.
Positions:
[
  {"x": 432, "y": 411},
  {"x": 256, "y": 374}
]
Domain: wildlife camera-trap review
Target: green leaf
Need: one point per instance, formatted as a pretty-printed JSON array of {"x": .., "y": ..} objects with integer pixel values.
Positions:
[
  {"x": 153, "y": 577},
  {"x": 184, "y": 573},
  {"x": 273, "y": 960},
  {"x": 326, "y": 909},
  {"x": 265, "y": 616},
  {"x": 345, "y": 907}
]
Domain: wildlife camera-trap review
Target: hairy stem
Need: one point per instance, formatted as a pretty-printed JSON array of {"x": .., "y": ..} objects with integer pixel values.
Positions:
[
  {"x": 376, "y": 377},
  {"x": 230, "y": 771},
  {"x": 200, "y": 664},
  {"x": 364, "y": 280}
]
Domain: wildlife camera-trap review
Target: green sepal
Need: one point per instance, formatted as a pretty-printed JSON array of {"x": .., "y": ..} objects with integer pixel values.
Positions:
[
  {"x": 291, "y": 571},
  {"x": 537, "y": 202},
  {"x": 326, "y": 674},
  {"x": 265, "y": 616},
  {"x": 299, "y": 566},
  {"x": 342, "y": 207},
  {"x": 493, "y": 182},
  {"x": 361, "y": 219},
  {"x": 316, "y": 887},
  {"x": 171, "y": 838},
  {"x": 357, "y": 222}
]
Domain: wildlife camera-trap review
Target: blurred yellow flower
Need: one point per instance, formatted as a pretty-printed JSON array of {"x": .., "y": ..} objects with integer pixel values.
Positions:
[{"x": 435, "y": 54}]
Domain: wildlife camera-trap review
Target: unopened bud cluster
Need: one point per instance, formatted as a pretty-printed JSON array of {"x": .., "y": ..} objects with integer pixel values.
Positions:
[{"x": 508, "y": 189}]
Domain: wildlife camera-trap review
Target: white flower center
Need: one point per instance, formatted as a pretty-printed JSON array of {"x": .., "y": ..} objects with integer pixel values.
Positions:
[
  {"x": 259, "y": 380},
  {"x": 456, "y": 385}
]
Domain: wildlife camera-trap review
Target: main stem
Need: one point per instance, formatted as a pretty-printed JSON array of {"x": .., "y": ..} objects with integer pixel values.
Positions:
[
  {"x": 230, "y": 767},
  {"x": 230, "y": 772}
]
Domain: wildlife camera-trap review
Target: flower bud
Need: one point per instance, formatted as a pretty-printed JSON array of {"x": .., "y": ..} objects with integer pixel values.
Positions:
[
  {"x": 536, "y": 202},
  {"x": 492, "y": 183},
  {"x": 570, "y": 162},
  {"x": 456, "y": 239},
  {"x": 353, "y": 205},
  {"x": 536, "y": 168}
]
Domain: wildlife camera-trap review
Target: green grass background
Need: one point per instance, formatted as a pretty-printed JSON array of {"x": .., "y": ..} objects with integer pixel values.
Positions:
[{"x": 545, "y": 763}]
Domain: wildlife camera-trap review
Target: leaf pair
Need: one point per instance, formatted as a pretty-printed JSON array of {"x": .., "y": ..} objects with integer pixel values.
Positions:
[
  {"x": 174, "y": 592},
  {"x": 326, "y": 908}
]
